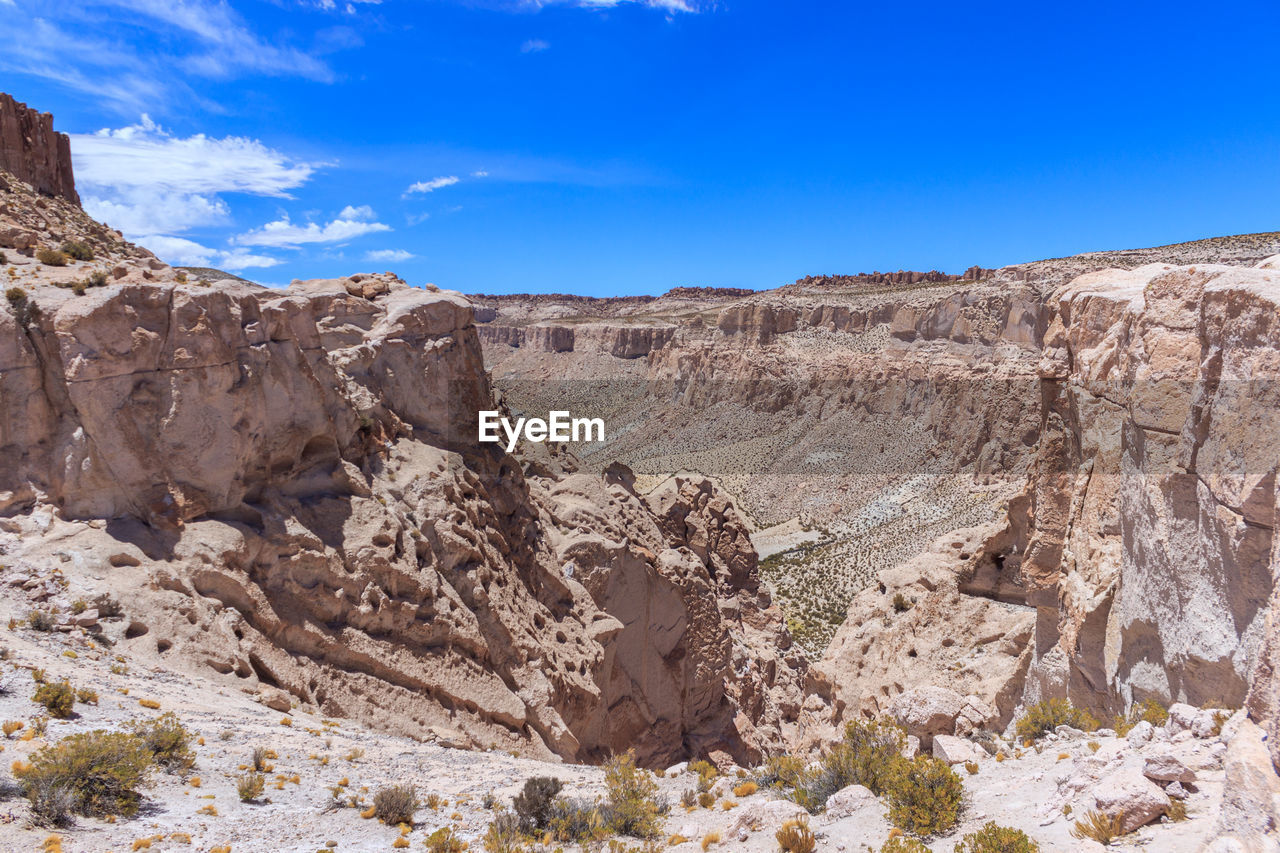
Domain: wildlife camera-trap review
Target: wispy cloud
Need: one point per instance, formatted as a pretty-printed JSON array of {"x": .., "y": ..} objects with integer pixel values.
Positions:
[
  {"x": 283, "y": 233},
  {"x": 431, "y": 185},
  {"x": 136, "y": 54},
  {"x": 534, "y": 46},
  {"x": 390, "y": 255},
  {"x": 188, "y": 253},
  {"x": 147, "y": 182},
  {"x": 669, "y": 6}
]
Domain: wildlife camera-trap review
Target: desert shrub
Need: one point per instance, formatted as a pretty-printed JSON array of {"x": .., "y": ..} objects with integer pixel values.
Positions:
[
  {"x": 709, "y": 840},
  {"x": 25, "y": 311},
  {"x": 1148, "y": 710},
  {"x": 901, "y": 604},
  {"x": 443, "y": 840},
  {"x": 85, "y": 696},
  {"x": 925, "y": 798},
  {"x": 631, "y": 805},
  {"x": 576, "y": 821},
  {"x": 261, "y": 757},
  {"x": 1177, "y": 810},
  {"x": 902, "y": 844},
  {"x": 169, "y": 741},
  {"x": 51, "y": 803},
  {"x": 41, "y": 620},
  {"x": 534, "y": 805},
  {"x": 1098, "y": 827},
  {"x": 77, "y": 250},
  {"x": 780, "y": 771},
  {"x": 503, "y": 835},
  {"x": 796, "y": 837},
  {"x": 993, "y": 838},
  {"x": 746, "y": 789},
  {"x": 250, "y": 786},
  {"x": 395, "y": 804},
  {"x": 98, "y": 769},
  {"x": 1044, "y": 717},
  {"x": 58, "y": 699},
  {"x": 870, "y": 755},
  {"x": 108, "y": 607},
  {"x": 11, "y": 726},
  {"x": 51, "y": 257},
  {"x": 97, "y": 278}
]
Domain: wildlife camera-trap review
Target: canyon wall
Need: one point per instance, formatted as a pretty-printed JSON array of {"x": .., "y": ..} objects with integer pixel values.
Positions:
[{"x": 32, "y": 151}]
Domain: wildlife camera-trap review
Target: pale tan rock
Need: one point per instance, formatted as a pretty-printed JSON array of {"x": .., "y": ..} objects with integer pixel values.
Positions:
[
  {"x": 1250, "y": 815},
  {"x": 956, "y": 750},
  {"x": 850, "y": 800},
  {"x": 1165, "y": 767},
  {"x": 766, "y": 817},
  {"x": 1127, "y": 791}
]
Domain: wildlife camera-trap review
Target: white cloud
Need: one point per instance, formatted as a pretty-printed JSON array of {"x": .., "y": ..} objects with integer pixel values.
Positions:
[
  {"x": 363, "y": 212},
  {"x": 283, "y": 233},
  {"x": 480, "y": 174},
  {"x": 392, "y": 255},
  {"x": 534, "y": 46},
  {"x": 146, "y": 155},
  {"x": 145, "y": 181},
  {"x": 432, "y": 185},
  {"x": 188, "y": 253},
  {"x": 670, "y": 6}
]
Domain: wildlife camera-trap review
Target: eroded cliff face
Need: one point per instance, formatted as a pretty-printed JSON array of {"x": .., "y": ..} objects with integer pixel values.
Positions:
[
  {"x": 32, "y": 151},
  {"x": 1145, "y": 534},
  {"x": 285, "y": 487}
]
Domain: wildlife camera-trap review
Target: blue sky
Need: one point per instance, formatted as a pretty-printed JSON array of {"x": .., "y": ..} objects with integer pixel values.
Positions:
[{"x": 629, "y": 147}]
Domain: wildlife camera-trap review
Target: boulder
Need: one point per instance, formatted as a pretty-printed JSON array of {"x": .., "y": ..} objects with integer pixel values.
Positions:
[
  {"x": 956, "y": 750},
  {"x": 927, "y": 711},
  {"x": 848, "y": 800},
  {"x": 1140, "y": 734},
  {"x": 275, "y": 699},
  {"x": 1127, "y": 791},
  {"x": 1164, "y": 767}
]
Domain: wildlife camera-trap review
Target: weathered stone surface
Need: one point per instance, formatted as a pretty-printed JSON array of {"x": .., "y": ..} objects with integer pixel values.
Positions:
[
  {"x": 927, "y": 711},
  {"x": 1165, "y": 767},
  {"x": 849, "y": 800},
  {"x": 32, "y": 151},
  {"x": 956, "y": 750},
  {"x": 1127, "y": 791},
  {"x": 766, "y": 817}
]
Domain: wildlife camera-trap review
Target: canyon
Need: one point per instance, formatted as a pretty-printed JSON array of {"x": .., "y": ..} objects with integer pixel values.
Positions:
[{"x": 845, "y": 498}]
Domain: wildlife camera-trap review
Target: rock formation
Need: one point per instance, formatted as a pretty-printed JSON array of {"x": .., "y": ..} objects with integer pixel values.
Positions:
[
  {"x": 32, "y": 151},
  {"x": 290, "y": 481}
]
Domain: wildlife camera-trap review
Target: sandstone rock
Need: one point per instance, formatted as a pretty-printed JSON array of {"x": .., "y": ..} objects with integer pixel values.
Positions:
[
  {"x": 849, "y": 800},
  {"x": 927, "y": 711},
  {"x": 275, "y": 699},
  {"x": 956, "y": 750},
  {"x": 1128, "y": 791},
  {"x": 1250, "y": 815},
  {"x": 1164, "y": 767},
  {"x": 33, "y": 152},
  {"x": 1140, "y": 734}
]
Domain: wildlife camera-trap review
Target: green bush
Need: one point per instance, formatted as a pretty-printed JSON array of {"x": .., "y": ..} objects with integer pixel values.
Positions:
[
  {"x": 1044, "y": 717},
  {"x": 870, "y": 755},
  {"x": 926, "y": 798},
  {"x": 631, "y": 805},
  {"x": 576, "y": 821},
  {"x": 902, "y": 844},
  {"x": 40, "y": 620},
  {"x": 443, "y": 840},
  {"x": 503, "y": 835},
  {"x": 993, "y": 838},
  {"x": 95, "y": 772},
  {"x": 58, "y": 699},
  {"x": 76, "y": 250},
  {"x": 250, "y": 786},
  {"x": 97, "y": 278},
  {"x": 169, "y": 741},
  {"x": 395, "y": 804},
  {"x": 1148, "y": 710},
  {"x": 780, "y": 771},
  {"x": 534, "y": 805},
  {"x": 51, "y": 257}
]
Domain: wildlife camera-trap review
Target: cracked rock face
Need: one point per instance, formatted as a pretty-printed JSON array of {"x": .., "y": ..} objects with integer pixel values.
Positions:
[
  {"x": 1150, "y": 510},
  {"x": 34, "y": 152}
]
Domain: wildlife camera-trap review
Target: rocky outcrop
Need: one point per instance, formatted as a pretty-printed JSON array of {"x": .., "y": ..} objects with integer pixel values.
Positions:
[
  {"x": 32, "y": 151},
  {"x": 288, "y": 486},
  {"x": 1147, "y": 524}
]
